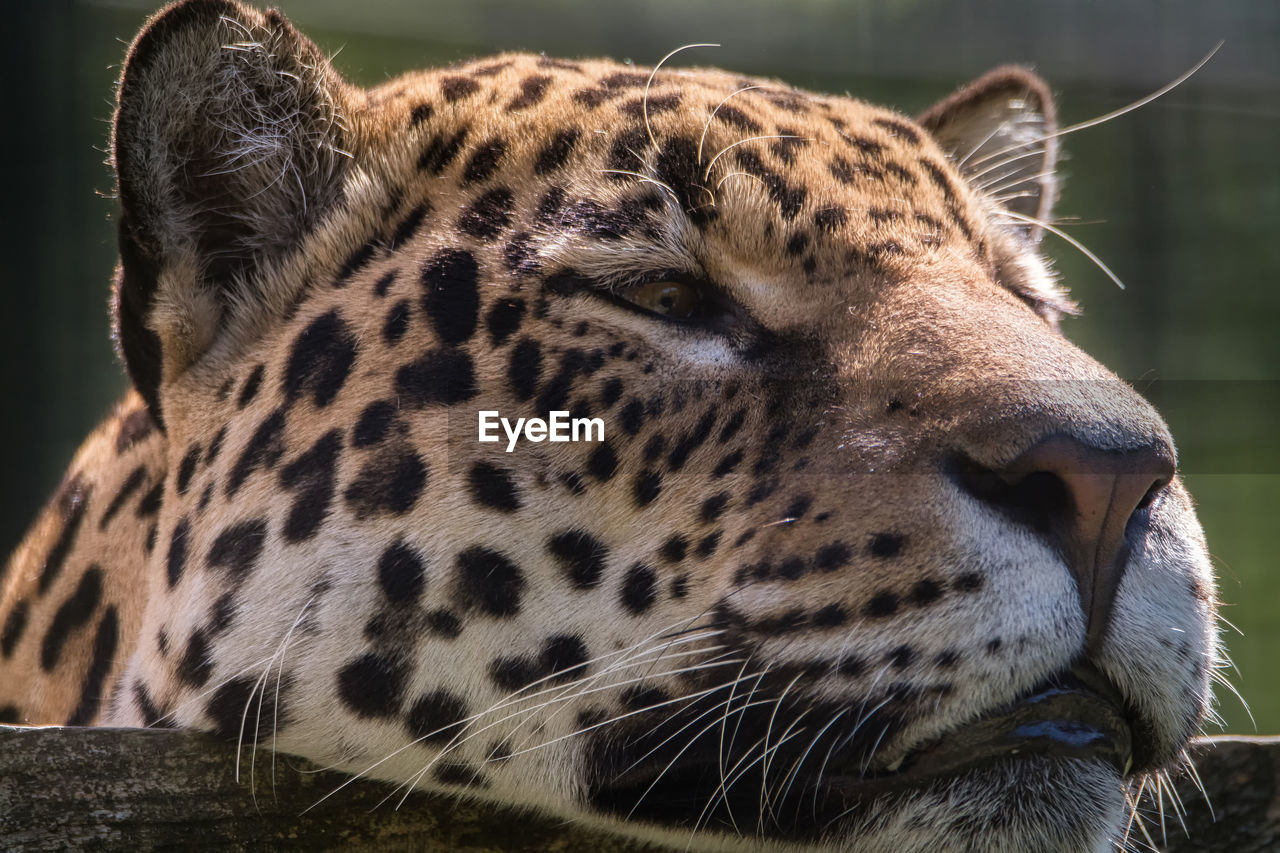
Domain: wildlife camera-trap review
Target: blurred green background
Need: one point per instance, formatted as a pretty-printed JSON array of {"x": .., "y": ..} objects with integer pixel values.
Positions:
[{"x": 1181, "y": 198}]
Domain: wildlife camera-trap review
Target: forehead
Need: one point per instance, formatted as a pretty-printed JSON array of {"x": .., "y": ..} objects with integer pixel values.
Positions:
[{"x": 760, "y": 170}]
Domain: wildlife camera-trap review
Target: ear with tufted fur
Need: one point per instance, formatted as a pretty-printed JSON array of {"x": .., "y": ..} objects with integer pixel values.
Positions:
[
  {"x": 999, "y": 130},
  {"x": 227, "y": 148}
]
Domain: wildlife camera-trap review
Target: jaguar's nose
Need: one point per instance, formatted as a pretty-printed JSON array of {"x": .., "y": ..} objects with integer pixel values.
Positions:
[{"x": 1087, "y": 500}]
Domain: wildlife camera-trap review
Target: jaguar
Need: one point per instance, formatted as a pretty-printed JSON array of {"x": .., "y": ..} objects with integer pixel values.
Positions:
[{"x": 870, "y": 555}]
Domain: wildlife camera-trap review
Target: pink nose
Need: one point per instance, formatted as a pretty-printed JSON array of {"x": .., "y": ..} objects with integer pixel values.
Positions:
[{"x": 1088, "y": 501}]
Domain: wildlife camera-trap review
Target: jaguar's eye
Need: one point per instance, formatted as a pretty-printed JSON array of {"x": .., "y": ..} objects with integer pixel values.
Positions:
[{"x": 674, "y": 300}]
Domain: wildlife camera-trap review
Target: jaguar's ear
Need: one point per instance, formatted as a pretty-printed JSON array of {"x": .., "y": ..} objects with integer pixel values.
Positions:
[
  {"x": 227, "y": 147},
  {"x": 1000, "y": 132}
]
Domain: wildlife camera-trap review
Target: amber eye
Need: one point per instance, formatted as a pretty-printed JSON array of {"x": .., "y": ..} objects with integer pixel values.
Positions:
[{"x": 673, "y": 299}]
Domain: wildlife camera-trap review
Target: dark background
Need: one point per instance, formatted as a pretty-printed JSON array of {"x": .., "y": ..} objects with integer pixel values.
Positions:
[{"x": 1181, "y": 198}]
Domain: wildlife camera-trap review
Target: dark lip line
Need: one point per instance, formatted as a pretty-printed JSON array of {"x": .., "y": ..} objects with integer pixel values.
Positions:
[{"x": 1093, "y": 722}]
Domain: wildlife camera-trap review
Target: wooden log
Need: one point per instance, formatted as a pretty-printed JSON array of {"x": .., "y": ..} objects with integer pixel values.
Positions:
[{"x": 130, "y": 789}]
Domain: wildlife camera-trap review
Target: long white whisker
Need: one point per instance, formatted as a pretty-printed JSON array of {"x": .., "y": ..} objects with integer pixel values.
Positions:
[
  {"x": 1093, "y": 122},
  {"x": 702, "y": 139},
  {"x": 644, "y": 104},
  {"x": 1080, "y": 247}
]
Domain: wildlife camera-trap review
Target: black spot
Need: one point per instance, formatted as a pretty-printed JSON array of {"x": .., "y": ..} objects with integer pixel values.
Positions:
[
  {"x": 250, "y": 388},
  {"x": 674, "y": 549},
  {"x": 899, "y": 129},
  {"x": 456, "y": 87},
  {"x": 389, "y": 484},
  {"x": 626, "y": 153},
  {"x": 71, "y": 615},
  {"x": 443, "y": 376},
  {"x": 224, "y": 610},
  {"x": 249, "y": 709},
  {"x": 611, "y": 391},
  {"x": 589, "y": 718},
  {"x": 397, "y": 322},
  {"x": 656, "y": 104},
  {"x": 831, "y": 616},
  {"x": 515, "y": 673},
  {"x": 311, "y": 477},
  {"x": 451, "y": 297},
  {"x": 176, "y": 561},
  {"x": 437, "y": 717},
  {"x": 490, "y": 582},
  {"x": 679, "y": 168},
  {"x": 504, "y": 319},
  {"x": 833, "y": 556},
  {"x": 491, "y": 486},
  {"x": 532, "y": 90},
  {"x": 556, "y": 152},
  {"x": 134, "y": 427},
  {"x": 383, "y": 284},
  {"x": 194, "y": 668},
  {"x": 581, "y": 556},
  {"x": 708, "y": 545},
  {"x": 632, "y": 416},
  {"x": 736, "y": 117},
  {"x": 372, "y": 684},
  {"x": 488, "y": 214},
  {"x": 444, "y": 623},
  {"x": 882, "y": 604},
  {"x": 550, "y": 205},
  {"x": 484, "y": 161},
  {"x": 830, "y": 218},
  {"x": 969, "y": 582},
  {"x": 525, "y": 368},
  {"x": 714, "y": 506},
  {"x": 679, "y": 586},
  {"x": 440, "y": 151},
  {"x": 187, "y": 468},
  {"x": 925, "y": 592},
  {"x": 151, "y": 715},
  {"x": 373, "y": 424},
  {"x": 947, "y": 659},
  {"x": 320, "y": 360},
  {"x": 237, "y": 548},
  {"x": 788, "y": 198},
  {"x": 901, "y": 657},
  {"x": 728, "y": 463},
  {"x": 639, "y": 588},
  {"x": 733, "y": 425},
  {"x": 72, "y": 502},
  {"x": 885, "y": 545},
  {"x": 641, "y": 698},
  {"x": 602, "y": 463},
  {"x": 14, "y": 624},
  {"x": 564, "y": 657},
  {"x": 264, "y": 450},
  {"x": 104, "y": 650},
  {"x": 458, "y": 773},
  {"x": 419, "y": 114},
  {"x": 358, "y": 259},
  {"x": 647, "y": 487},
  {"x": 131, "y": 484}
]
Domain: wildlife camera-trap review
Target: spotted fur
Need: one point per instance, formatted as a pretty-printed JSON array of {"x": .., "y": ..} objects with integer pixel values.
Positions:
[{"x": 780, "y": 566}]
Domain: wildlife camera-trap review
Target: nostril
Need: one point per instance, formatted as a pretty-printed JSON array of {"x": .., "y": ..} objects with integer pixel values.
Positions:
[{"x": 1039, "y": 499}]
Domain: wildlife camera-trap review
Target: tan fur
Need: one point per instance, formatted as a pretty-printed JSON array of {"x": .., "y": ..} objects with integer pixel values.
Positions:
[{"x": 885, "y": 316}]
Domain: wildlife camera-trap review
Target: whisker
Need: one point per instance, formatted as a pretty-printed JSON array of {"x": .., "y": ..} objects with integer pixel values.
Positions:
[
  {"x": 1094, "y": 122},
  {"x": 644, "y": 104},
  {"x": 706, "y": 127},
  {"x": 707, "y": 174},
  {"x": 1058, "y": 232}
]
